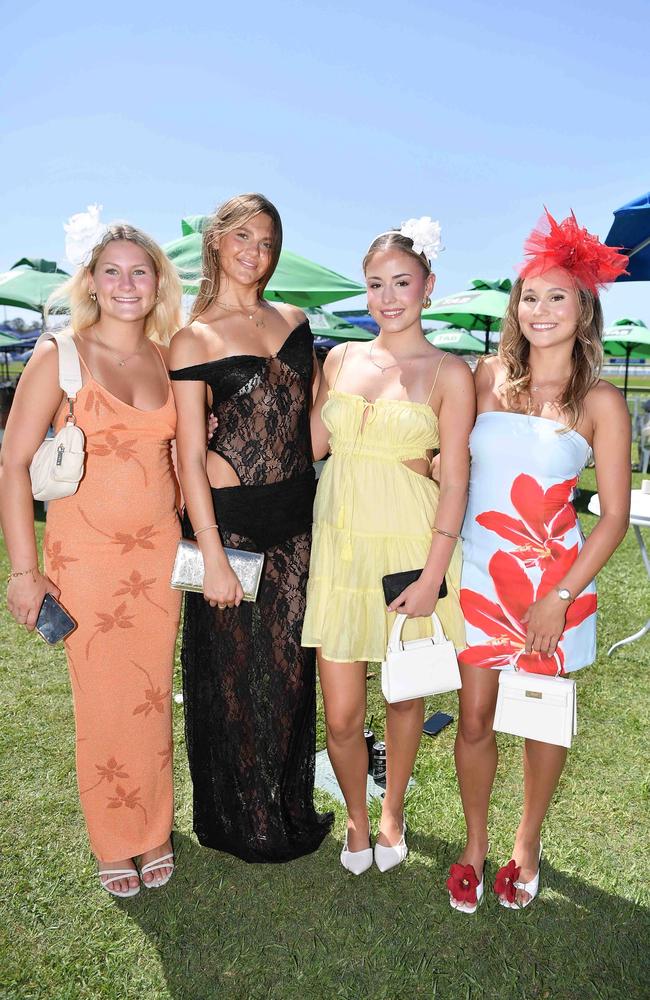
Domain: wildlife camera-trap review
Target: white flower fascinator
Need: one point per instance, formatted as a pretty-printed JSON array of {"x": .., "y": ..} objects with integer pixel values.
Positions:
[
  {"x": 83, "y": 231},
  {"x": 425, "y": 233}
]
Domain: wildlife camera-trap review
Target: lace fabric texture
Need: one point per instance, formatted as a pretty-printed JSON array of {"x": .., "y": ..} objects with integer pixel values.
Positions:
[{"x": 249, "y": 686}]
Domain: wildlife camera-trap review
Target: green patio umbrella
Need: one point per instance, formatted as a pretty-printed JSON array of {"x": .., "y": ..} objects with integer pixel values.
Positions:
[
  {"x": 480, "y": 307},
  {"x": 30, "y": 282},
  {"x": 625, "y": 338},
  {"x": 455, "y": 340},
  {"x": 7, "y": 341},
  {"x": 296, "y": 279},
  {"x": 325, "y": 324}
]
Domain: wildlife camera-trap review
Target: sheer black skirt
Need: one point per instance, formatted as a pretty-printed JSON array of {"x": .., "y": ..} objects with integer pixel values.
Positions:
[{"x": 250, "y": 688}]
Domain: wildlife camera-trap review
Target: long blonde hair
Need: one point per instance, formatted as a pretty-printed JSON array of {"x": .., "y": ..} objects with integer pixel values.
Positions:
[
  {"x": 235, "y": 212},
  {"x": 164, "y": 319},
  {"x": 587, "y": 358}
]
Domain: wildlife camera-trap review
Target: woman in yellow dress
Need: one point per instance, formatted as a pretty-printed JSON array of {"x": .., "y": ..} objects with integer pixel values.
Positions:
[{"x": 382, "y": 412}]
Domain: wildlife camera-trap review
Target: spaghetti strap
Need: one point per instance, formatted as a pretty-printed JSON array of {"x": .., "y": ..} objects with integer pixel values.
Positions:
[
  {"x": 338, "y": 370},
  {"x": 442, "y": 361},
  {"x": 162, "y": 360}
]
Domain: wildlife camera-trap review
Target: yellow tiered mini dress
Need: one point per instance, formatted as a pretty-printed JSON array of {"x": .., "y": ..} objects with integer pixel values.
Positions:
[{"x": 373, "y": 515}]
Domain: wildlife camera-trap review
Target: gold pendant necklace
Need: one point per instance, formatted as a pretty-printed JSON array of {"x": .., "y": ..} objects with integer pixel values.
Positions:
[
  {"x": 121, "y": 361},
  {"x": 245, "y": 310}
]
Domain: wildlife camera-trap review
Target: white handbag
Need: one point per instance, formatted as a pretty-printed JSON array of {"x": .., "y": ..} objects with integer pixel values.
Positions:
[
  {"x": 58, "y": 465},
  {"x": 537, "y": 707},
  {"x": 419, "y": 667}
]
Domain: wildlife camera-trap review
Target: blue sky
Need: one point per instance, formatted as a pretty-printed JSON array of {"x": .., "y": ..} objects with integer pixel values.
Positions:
[{"x": 350, "y": 117}]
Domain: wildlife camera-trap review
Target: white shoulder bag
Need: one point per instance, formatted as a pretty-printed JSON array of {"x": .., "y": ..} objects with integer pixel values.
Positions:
[
  {"x": 58, "y": 465},
  {"x": 419, "y": 667},
  {"x": 536, "y": 707}
]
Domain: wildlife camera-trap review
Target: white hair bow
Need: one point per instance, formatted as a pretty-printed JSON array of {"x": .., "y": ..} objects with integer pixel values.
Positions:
[{"x": 425, "y": 233}]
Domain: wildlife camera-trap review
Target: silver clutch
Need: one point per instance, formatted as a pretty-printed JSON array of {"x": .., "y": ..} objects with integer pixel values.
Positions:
[{"x": 188, "y": 570}]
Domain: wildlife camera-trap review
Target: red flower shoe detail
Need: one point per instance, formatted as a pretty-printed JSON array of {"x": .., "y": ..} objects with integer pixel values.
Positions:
[
  {"x": 504, "y": 883},
  {"x": 465, "y": 888}
]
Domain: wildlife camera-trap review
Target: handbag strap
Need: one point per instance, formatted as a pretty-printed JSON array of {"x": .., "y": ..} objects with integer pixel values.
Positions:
[
  {"x": 69, "y": 368},
  {"x": 396, "y": 631}
]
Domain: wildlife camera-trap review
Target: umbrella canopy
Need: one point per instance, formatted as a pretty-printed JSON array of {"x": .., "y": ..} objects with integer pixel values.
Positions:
[
  {"x": 455, "y": 340},
  {"x": 325, "y": 324},
  {"x": 6, "y": 341},
  {"x": 30, "y": 282},
  {"x": 480, "y": 307},
  {"x": 625, "y": 338},
  {"x": 296, "y": 279},
  {"x": 631, "y": 230}
]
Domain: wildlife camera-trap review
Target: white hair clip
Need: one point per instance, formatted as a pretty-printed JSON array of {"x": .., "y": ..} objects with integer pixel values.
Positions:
[
  {"x": 83, "y": 231},
  {"x": 425, "y": 233}
]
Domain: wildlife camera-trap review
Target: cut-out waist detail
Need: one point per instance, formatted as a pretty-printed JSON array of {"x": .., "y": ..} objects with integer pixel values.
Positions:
[{"x": 387, "y": 454}]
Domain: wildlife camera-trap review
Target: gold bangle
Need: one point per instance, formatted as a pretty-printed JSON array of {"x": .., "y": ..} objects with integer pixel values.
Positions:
[
  {"x": 24, "y": 572},
  {"x": 207, "y": 528},
  {"x": 447, "y": 534}
]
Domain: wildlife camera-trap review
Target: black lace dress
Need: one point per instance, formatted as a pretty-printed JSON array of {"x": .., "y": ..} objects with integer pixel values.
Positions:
[{"x": 249, "y": 687}]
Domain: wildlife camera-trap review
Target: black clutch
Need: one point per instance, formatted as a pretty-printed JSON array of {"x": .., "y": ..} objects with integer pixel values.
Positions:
[{"x": 395, "y": 583}]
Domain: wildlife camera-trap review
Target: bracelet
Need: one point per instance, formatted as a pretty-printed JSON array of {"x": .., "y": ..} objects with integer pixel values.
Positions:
[
  {"x": 207, "y": 528},
  {"x": 23, "y": 572},
  {"x": 447, "y": 534}
]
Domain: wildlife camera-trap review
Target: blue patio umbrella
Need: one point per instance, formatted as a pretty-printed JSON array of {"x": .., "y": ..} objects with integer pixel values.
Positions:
[{"x": 631, "y": 231}]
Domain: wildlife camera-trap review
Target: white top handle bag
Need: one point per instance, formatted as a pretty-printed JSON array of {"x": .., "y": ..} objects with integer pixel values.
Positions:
[
  {"x": 419, "y": 667},
  {"x": 58, "y": 465}
]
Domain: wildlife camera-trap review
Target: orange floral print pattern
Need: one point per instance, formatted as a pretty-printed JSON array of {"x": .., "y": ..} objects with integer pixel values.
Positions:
[
  {"x": 137, "y": 586},
  {"x": 129, "y": 799},
  {"x": 155, "y": 699},
  {"x": 106, "y": 623},
  {"x": 107, "y": 772},
  {"x": 97, "y": 401},
  {"x": 112, "y": 446}
]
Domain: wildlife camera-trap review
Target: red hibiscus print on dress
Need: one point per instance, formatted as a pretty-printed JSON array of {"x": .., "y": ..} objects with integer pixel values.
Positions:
[
  {"x": 546, "y": 517},
  {"x": 502, "y": 622}
]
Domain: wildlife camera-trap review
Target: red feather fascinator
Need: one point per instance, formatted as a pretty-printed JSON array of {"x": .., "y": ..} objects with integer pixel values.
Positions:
[{"x": 567, "y": 245}]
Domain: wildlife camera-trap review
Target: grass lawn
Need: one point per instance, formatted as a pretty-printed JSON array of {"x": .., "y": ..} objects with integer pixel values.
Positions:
[{"x": 224, "y": 929}]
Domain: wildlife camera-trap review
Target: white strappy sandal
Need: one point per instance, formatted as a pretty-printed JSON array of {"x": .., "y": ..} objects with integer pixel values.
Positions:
[
  {"x": 532, "y": 888},
  {"x": 116, "y": 874},
  {"x": 166, "y": 861}
]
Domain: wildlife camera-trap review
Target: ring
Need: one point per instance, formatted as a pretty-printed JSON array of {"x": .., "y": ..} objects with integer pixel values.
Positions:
[{"x": 221, "y": 607}]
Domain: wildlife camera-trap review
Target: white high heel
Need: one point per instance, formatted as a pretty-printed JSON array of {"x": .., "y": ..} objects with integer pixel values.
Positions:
[
  {"x": 356, "y": 862},
  {"x": 389, "y": 857}
]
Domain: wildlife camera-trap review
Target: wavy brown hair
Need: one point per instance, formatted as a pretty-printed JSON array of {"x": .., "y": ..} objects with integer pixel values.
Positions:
[
  {"x": 587, "y": 356},
  {"x": 235, "y": 212},
  {"x": 393, "y": 240},
  {"x": 164, "y": 319}
]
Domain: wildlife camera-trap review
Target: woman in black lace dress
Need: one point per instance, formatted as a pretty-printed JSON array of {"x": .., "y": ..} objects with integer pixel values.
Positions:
[{"x": 249, "y": 686}]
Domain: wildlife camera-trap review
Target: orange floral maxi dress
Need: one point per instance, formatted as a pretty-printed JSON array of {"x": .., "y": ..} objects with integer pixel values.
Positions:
[{"x": 110, "y": 549}]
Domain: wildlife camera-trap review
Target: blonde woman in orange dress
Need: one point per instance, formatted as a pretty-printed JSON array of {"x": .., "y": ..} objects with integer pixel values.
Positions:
[{"x": 109, "y": 548}]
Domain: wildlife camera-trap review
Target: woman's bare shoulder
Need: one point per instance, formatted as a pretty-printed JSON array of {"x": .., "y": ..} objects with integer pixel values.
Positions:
[{"x": 194, "y": 344}]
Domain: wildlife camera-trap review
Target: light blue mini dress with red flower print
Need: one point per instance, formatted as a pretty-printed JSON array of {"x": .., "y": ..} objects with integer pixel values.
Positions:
[{"x": 520, "y": 536}]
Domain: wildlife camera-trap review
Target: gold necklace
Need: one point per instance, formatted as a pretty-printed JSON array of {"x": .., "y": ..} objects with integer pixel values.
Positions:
[
  {"x": 120, "y": 360},
  {"x": 245, "y": 310}
]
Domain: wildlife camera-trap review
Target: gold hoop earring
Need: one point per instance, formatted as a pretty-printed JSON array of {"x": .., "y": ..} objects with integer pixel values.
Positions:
[{"x": 427, "y": 302}]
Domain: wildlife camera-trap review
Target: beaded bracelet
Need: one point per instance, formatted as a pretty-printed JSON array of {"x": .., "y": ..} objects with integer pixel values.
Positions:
[{"x": 207, "y": 528}]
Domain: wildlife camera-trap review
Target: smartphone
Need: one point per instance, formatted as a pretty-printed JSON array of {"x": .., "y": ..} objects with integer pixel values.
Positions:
[
  {"x": 436, "y": 723},
  {"x": 53, "y": 622}
]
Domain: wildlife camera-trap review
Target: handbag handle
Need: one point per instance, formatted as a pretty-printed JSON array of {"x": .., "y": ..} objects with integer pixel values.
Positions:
[
  {"x": 395, "y": 639},
  {"x": 69, "y": 368},
  {"x": 555, "y": 657}
]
